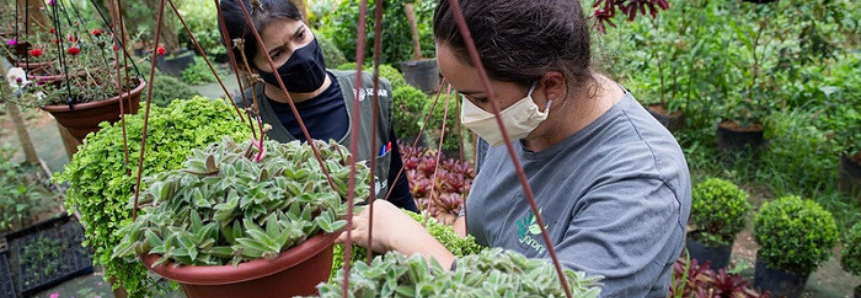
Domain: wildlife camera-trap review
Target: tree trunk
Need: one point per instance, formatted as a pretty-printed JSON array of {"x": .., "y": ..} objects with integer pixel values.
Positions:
[
  {"x": 36, "y": 18},
  {"x": 414, "y": 29},
  {"x": 23, "y": 135}
]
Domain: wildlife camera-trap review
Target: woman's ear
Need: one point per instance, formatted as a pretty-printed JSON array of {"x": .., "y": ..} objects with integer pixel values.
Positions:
[{"x": 553, "y": 85}]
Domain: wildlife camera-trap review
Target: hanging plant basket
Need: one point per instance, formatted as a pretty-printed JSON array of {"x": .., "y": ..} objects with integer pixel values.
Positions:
[
  {"x": 295, "y": 272},
  {"x": 84, "y": 118},
  {"x": 34, "y": 65},
  {"x": 48, "y": 253},
  {"x": 674, "y": 121}
]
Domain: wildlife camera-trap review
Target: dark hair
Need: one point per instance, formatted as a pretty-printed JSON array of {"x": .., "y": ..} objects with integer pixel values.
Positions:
[
  {"x": 261, "y": 16},
  {"x": 520, "y": 41}
]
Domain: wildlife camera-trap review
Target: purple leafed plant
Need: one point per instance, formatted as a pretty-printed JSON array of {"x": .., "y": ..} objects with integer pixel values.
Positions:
[
  {"x": 605, "y": 10},
  {"x": 443, "y": 196}
]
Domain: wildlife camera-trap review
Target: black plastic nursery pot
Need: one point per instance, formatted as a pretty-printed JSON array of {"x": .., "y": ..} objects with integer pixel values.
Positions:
[
  {"x": 422, "y": 74},
  {"x": 174, "y": 64},
  {"x": 718, "y": 256},
  {"x": 7, "y": 286},
  {"x": 68, "y": 260},
  {"x": 850, "y": 173},
  {"x": 674, "y": 121},
  {"x": 733, "y": 140},
  {"x": 778, "y": 282}
]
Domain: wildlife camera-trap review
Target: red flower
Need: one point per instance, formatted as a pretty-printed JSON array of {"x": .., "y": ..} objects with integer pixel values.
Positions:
[
  {"x": 160, "y": 51},
  {"x": 116, "y": 48},
  {"x": 74, "y": 51},
  {"x": 97, "y": 32},
  {"x": 51, "y": 30},
  {"x": 72, "y": 38},
  {"x": 36, "y": 52}
]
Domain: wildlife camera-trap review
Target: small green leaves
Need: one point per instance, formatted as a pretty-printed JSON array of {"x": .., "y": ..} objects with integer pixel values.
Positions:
[{"x": 226, "y": 206}]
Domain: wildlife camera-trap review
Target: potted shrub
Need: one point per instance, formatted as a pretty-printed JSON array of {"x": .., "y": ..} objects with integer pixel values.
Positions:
[
  {"x": 489, "y": 273},
  {"x": 719, "y": 211},
  {"x": 247, "y": 220},
  {"x": 452, "y": 184},
  {"x": 851, "y": 260},
  {"x": 101, "y": 182},
  {"x": 795, "y": 236}
]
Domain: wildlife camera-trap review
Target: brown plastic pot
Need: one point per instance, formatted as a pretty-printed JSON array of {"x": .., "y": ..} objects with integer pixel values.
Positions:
[
  {"x": 84, "y": 118},
  {"x": 296, "y": 272},
  {"x": 34, "y": 65}
]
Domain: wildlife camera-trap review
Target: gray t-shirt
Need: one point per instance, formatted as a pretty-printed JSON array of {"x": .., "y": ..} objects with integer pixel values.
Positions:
[{"x": 615, "y": 197}]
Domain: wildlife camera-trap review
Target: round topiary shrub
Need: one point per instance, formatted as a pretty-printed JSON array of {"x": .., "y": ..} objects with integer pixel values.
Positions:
[
  {"x": 407, "y": 112},
  {"x": 718, "y": 211},
  {"x": 331, "y": 53},
  {"x": 851, "y": 260},
  {"x": 794, "y": 235},
  {"x": 386, "y": 71}
]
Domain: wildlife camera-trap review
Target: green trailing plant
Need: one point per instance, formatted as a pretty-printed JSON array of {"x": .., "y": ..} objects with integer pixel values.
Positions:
[
  {"x": 851, "y": 260},
  {"x": 458, "y": 246},
  {"x": 234, "y": 203},
  {"x": 101, "y": 183},
  {"x": 199, "y": 73},
  {"x": 794, "y": 235},
  {"x": 487, "y": 274},
  {"x": 386, "y": 71},
  {"x": 342, "y": 28},
  {"x": 407, "y": 111},
  {"x": 719, "y": 210}
]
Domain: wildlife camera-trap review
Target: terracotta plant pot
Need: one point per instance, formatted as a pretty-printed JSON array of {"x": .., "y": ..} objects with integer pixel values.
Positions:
[
  {"x": 778, "y": 282},
  {"x": 718, "y": 256},
  {"x": 850, "y": 173},
  {"x": 296, "y": 272},
  {"x": 34, "y": 65},
  {"x": 674, "y": 122},
  {"x": 84, "y": 118}
]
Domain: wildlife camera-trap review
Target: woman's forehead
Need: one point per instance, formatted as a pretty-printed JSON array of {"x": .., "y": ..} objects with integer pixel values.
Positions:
[{"x": 280, "y": 30}]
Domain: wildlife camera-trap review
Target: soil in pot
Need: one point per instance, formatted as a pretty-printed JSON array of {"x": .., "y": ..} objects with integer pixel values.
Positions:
[
  {"x": 674, "y": 122},
  {"x": 718, "y": 256},
  {"x": 174, "y": 64},
  {"x": 850, "y": 174},
  {"x": 778, "y": 282},
  {"x": 422, "y": 74},
  {"x": 296, "y": 272},
  {"x": 733, "y": 140},
  {"x": 84, "y": 118}
]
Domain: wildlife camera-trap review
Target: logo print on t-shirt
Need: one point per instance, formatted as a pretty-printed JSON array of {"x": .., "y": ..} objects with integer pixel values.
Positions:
[{"x": 527, "y": 228}]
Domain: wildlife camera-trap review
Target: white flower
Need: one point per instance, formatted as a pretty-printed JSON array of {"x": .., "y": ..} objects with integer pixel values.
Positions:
[{"x": 14, "y": 74}]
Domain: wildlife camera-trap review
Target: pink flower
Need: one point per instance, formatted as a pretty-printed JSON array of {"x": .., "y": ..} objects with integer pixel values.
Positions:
[
  {"x": 55, "y": 295},
  {"x": 52, "y": 2},
  {"x": 12, "y": 42}
]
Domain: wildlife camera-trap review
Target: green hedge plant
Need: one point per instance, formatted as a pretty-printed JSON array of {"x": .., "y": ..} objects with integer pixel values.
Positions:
[
  {"x": 408, "y": 111},
  {"x": 794, "y": 235},
  {"x": 236, "y": 203},
  {"x": 395, "y": 78},
  {"x": 491, "y": 273},
  {"x": 101, "y": 184},
  {"x": 719, "y": 211},
  {"x": 331, "y": 54},
  {"x": 851, "y": 260}
]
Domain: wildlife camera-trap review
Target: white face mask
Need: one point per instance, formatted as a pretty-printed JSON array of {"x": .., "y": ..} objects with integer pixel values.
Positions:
[{"x": 520, "y": 119}]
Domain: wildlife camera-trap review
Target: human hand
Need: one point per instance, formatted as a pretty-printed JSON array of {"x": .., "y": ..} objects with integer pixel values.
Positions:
[{"x": 390, "y": 226}]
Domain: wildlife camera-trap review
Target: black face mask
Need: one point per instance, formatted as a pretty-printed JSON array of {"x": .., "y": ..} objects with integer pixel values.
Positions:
[{"x": 304, "y": 72}]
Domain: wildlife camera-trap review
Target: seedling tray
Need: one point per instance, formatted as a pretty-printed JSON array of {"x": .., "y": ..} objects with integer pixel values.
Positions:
[
  {"x": 7, "y": 287},
  {"x": 48, "y": 253}
]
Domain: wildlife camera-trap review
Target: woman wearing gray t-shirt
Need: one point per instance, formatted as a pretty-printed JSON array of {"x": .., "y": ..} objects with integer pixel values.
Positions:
[{"x": 612, "y": 184}]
